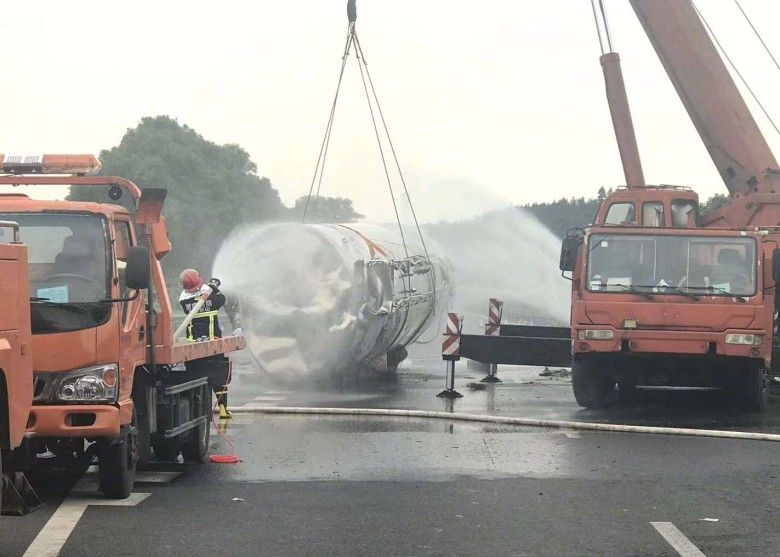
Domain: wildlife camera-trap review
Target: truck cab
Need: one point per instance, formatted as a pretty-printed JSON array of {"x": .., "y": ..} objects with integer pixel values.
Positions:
[
  {"x": 85, "y": 345},
  {"x": 660, "y": 301},
  {"x": 110, "y": 381}
]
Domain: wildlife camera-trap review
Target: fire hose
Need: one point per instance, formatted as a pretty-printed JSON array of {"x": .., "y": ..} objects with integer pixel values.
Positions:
[{"x": 509, "y": 420}]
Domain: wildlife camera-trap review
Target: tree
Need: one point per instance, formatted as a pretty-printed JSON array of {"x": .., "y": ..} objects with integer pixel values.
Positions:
[
  {"x": 325, "y": 209},
  {"x": 559, "y": 216},
  {"x": 211, "y": 188},
  {"x": 714, "y": 203}
]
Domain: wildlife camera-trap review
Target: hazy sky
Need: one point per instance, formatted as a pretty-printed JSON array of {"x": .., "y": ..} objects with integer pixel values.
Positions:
[{"x": 489, "y": 102}]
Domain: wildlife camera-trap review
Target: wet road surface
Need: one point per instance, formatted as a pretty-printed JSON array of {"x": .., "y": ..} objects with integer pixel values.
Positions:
[
  {"x": 400, "y": 486},
  {"x": 524, "y": 392}
]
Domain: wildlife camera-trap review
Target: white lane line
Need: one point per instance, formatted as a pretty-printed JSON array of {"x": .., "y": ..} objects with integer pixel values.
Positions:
[
  {"x": 266, "y": 398},
  {"x": 572, "y": 434},
  {"x": 677, "y": 539},
  {"x": 54, "y": 534},
  {"x": 141, "y": 477}
]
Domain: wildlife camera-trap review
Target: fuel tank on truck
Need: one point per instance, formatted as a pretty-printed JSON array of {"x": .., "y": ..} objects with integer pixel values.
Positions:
[{"x": 318, "y": 300}]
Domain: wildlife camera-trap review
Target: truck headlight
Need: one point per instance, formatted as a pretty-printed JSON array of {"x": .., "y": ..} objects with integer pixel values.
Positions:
[
  {"x": 90, "y": 384},
  {"x": 596, "y": 334},
  {"x": 741, "y": 338}
]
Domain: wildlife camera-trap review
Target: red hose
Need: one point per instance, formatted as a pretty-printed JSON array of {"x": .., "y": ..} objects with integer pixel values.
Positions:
[{"x": 232, "y": 457}]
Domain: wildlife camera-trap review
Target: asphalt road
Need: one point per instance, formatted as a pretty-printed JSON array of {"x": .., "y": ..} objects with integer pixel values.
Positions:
[{"x": 392, "y": 486}]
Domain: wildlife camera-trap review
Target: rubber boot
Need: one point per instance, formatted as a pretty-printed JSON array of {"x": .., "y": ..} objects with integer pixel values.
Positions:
[{"x": 224, "y": 413}]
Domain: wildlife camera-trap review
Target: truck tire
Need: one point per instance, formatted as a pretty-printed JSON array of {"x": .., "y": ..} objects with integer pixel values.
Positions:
[
  {"x": 117, "y": 461},
  {"x": 592, "y": 387},
  {"x": 755, "y": 394},
  {"x": 166, "y": 451},
  {"x": 196, "y": 450}
]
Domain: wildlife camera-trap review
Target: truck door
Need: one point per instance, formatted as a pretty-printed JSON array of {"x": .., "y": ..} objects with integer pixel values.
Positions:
[{"x": 132, "y": 341}]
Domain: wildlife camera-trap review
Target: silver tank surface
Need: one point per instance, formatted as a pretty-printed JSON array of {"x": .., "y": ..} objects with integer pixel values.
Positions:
[{"x": 320, "y": 299}]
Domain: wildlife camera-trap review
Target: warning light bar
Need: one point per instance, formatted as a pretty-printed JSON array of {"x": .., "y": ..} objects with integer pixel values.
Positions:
[{"x": 49, "y": 164}]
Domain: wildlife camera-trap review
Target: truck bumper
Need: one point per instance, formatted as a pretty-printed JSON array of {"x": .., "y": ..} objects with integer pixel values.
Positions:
[
  {"x": 90, "y": 421},
  {"x": 633, "y": 341}
]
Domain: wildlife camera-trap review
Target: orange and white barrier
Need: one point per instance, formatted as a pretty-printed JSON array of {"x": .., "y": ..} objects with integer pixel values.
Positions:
[
  {"x": 495, "y": 312},
  {"x": 450, "y": 348}
]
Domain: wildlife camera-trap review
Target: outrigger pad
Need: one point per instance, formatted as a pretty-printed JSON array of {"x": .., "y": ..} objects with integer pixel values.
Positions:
[{"x": 19, "y": 498}]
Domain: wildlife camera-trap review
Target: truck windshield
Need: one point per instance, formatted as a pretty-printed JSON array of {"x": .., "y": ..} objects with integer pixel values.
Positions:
[
  {"x": 673, "y": 265},
  {"x": 69, "y": 269}
]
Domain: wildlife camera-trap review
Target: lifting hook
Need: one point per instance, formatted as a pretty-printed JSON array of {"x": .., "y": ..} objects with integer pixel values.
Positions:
[{"x": 351, "y": 11}]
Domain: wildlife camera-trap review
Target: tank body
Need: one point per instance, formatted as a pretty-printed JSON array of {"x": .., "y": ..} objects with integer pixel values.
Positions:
[{"x": 324, "y": 299}]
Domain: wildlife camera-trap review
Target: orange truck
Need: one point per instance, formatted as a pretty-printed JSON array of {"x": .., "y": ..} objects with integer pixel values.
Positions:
[
  {"x": 670, "y": 304},
  {"x": 110, "y": 381},
  {"x": 661, "y": 295},
  {"x": 16, "y": 369}
]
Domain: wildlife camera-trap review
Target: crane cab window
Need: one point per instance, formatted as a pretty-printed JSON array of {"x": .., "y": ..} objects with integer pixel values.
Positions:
[
  {"x": 685, "y": 214},
  {"x": 653, "y": 214},
  {"x": 621, "y": 213}
]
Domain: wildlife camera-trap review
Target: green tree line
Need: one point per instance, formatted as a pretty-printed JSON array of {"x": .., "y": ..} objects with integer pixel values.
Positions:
[{"x": 211, "y": 189}]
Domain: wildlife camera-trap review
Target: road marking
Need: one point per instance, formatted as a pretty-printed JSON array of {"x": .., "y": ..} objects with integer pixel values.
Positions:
[
  {"x": 54, "y": 534},
  {"x": 572, "y": 434},
  {"x": 677, "y": 539}
]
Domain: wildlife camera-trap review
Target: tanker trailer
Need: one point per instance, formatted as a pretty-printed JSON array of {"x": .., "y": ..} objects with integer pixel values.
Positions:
[{"x": 321, "y": 300}]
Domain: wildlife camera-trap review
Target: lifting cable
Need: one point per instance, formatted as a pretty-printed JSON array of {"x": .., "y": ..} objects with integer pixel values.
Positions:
[
  {"x": 760, "y": 38},
  {"x": 371, "y": 99},
  {"x": 734, "y": 66}
]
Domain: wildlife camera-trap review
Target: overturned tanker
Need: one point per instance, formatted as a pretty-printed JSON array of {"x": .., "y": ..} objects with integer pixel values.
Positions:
[{"x": 325, "y": 299}]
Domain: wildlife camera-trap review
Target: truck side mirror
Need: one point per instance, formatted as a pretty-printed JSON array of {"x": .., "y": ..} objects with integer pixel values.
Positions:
[
  {"x": 138, "y": 269},
  {"x": 569, "y": 250},
  {"x": 776, "y": 265}
]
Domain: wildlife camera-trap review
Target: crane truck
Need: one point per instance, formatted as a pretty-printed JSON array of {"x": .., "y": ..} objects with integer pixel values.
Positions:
[
  {"x": 110, "y": 382},
  {"x": 661, "y": 295},
  {"x": 16, "y": 368}
]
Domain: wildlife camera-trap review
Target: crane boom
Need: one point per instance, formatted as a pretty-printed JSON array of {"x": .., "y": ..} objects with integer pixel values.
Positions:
[{"x": 724, "y": 122}]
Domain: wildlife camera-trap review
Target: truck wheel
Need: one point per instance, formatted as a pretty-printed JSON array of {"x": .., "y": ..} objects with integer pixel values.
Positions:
[
  {"x": 117, "y": 462},
  {"x": 592, "y": 388},
  {"x": 166, "y": 451},
  {"x": 756, "y": 389},
  {"x": 196, "y": 450}
]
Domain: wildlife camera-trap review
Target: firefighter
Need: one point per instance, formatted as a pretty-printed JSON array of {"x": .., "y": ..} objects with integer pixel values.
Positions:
[{"x": 205, "y": 326}]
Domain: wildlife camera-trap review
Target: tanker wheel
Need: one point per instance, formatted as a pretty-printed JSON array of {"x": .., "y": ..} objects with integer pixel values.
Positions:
[
  {"x": 117, "y": 461},
  {"x": 593, "y": 388},
  {"x": 196, "y": 450},
  {"x": 755, "y": 388}
]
